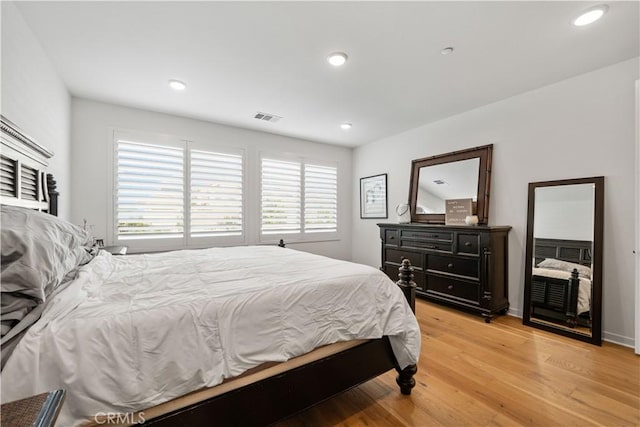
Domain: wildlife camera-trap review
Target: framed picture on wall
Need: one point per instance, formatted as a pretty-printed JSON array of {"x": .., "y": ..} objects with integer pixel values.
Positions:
[{"x": 373, "y": 196}]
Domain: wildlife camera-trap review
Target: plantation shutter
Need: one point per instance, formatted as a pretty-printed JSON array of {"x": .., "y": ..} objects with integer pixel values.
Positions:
[
  {"x": 320, "y": 198},
  {"x": 216, "y": 194},
  {"x": 281, "y": 197},
  {"x": 149, "y": 190}
]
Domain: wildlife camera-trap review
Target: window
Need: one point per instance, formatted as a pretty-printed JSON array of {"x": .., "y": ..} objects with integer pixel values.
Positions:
[
  {"x": 216, "y": 194},
  {"x": 281, "y": 197},
  {"x": 170, "y": 193},
  {"x": 298, "y": 197},
  {"x": 320, "y": 198},
  {"x": 158, "y": 186},
  {"x": 149, "y": 191}
]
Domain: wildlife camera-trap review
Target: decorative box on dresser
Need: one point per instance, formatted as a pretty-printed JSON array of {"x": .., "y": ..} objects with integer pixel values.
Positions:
[{"x": 463, "y": 266}]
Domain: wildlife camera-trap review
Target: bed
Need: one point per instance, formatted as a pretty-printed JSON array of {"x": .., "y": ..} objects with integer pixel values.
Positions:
[
  {"x": 561, "y": 281},
  {"x": 170, "y": 339}
]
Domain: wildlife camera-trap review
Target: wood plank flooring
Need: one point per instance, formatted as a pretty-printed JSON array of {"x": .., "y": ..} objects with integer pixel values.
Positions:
[{"x": 499, "y": 374}]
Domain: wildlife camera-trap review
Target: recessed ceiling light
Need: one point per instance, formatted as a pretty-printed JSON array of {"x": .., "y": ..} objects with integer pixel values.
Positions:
[
  {"x": 446, "y": 50},
  {"x": 345, "y": 126},
  {"x": 591, "y": 15},
  {"x": 177, "y": 85},
  {"x": 337, "y": 58}
]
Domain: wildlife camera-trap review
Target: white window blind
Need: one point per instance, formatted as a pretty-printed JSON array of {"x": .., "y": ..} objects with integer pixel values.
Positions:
[
  {"x": 216, "y": 194},
  {"x": 281, "y": 196},
  {"x": 320, "y": 198},
  {"x": 149, "y": 191}
]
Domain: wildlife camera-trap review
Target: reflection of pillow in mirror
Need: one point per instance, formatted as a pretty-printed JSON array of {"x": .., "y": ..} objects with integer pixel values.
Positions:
[{"x": 583, "y": 270}]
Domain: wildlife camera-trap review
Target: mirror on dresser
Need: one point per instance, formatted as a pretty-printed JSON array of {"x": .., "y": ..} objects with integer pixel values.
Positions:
[
  {"x": 563, "y": 267},
  {"x": 461, "y": 174}
]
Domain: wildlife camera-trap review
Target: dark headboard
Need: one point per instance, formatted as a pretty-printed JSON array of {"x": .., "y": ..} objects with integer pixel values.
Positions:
[
  {"x": 577, "y": 251},
  {"x": 24, "y": 180}
]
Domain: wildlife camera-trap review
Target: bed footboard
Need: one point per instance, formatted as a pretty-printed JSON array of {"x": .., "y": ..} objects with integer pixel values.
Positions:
[
  {"x": 286, "y": 394},
  {"x": 283, "y": 395},
  {"x": 556, "y": 298}
]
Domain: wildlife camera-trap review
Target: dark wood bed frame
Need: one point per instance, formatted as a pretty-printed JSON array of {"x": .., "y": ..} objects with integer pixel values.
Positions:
[
  {"x": 558, "y": 298},
  {"x": 24, "y": 182}
]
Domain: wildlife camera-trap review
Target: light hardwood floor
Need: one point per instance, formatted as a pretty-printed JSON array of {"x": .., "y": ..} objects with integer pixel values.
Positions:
[{"x": 499, "y": 374}]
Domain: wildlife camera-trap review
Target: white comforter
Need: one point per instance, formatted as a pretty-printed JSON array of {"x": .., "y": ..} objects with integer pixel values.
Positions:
[{"x": 135, "y": 331}]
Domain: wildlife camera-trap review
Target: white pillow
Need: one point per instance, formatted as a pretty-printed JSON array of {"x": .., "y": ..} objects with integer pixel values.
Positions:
[{"x": 556, "y": 264}]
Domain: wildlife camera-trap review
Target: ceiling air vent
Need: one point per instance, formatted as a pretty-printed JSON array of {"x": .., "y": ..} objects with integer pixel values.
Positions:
[{"x": 267, "y": 117}]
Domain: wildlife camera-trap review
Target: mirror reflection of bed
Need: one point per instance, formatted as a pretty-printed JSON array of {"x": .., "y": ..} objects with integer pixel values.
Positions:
[
  {"x": 557, "y": 295},
  {"x": 563, "y": 274}
]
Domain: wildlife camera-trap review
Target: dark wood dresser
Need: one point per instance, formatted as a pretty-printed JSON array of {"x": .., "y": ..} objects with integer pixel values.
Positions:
[{"x": 463, "y": 266}]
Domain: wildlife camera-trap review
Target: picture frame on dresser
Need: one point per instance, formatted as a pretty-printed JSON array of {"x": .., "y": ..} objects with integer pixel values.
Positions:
[{"x": 373, "y": 197}]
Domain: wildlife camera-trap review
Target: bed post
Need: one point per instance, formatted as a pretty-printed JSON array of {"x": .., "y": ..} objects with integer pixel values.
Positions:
[
  {"x": 572, "y": 295},
  {"x": 406, "y": 283},
  {"x": 405, "y": 379},
  {"x": 405, "y": 273},
  {"x": 53, "y": 194}
]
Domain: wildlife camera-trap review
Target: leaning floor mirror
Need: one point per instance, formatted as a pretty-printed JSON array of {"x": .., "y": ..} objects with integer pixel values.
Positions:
[{"x": 563, "y": 268}]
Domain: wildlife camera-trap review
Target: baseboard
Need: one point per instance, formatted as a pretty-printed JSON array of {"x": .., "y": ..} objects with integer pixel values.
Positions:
[
  {"x": 515, "y": 312},
  {"x": 618, "y": 339},
  {"x": 606, "y": 336}
]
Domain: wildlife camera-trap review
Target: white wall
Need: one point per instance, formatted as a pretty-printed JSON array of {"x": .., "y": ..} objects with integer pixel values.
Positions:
[
  {"x": 90, "y": 169},
  {"x": 580, "y": 127},
  {"x": 35, "y": 98}
]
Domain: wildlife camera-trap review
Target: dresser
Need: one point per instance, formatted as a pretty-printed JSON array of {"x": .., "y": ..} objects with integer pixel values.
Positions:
[{"x": 462, "y": 266}]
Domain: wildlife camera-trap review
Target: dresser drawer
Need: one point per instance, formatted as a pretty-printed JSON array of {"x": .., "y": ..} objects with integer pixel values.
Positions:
[
  {"x": 391, "y": 237},
  {"x": 419, "y": 244},
  {"x": 453, "y": 265},
  {"x": 445, "y": 236},
  {"x": 468, "y": 243},
  {"x": 460, "y": 289},
  {"x": 395, "y": 255}
]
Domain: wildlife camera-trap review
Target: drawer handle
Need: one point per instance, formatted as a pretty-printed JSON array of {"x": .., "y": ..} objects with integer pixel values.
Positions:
[
  {"x": 450, "y": 287},
  {"x": 392, "y": 237},
  {"x": 450, "y": 265},
  {"x": 467, "y": 244}
]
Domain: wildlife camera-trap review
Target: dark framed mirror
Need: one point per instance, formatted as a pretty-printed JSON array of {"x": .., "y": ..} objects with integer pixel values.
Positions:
[
  {"x": 563, "y": 266},
  {"x": 464, "y": 174}
]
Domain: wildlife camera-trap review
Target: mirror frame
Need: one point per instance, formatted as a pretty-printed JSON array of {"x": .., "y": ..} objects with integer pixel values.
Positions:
[
  {"x": 596, "y": 273},
  {"x": 484, "y": 180}
]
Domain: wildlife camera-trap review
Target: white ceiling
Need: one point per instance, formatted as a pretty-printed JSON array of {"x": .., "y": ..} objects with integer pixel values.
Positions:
[{"x": 239, "y": 58}]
